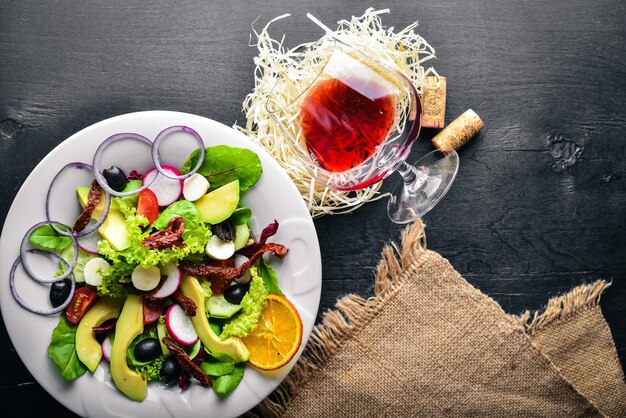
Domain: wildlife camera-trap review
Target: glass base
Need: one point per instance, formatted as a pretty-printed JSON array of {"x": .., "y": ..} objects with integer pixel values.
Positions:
[{"x": 424, "y": 185}]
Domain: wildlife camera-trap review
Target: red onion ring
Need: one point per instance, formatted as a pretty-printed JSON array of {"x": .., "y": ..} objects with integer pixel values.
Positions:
[
  {"x": 26, "y": 305},
  {"x": 157, "y": 159},
  {"x": 92, "y": 226},
  {"x": 98, "y": 156},
  {"x": 24, "y": 249}
]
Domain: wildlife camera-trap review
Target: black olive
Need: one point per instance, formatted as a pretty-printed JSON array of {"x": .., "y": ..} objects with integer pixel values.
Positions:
[
  {"x": 225, "y": 231},
  {"x": 59, "y": 291},
  {"x": 170, "y": 370},
  {"x": 147, "y": 350},
  {"x": 115, "y": 177},
  {"x": 235, "y": 293}
]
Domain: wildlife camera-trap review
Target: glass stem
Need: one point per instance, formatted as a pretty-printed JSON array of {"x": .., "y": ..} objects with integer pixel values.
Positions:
[{"x": 413, "y": 178}]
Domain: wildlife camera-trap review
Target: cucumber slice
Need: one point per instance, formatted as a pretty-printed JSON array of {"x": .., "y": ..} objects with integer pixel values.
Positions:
[
  {"x": 193, "y": 350},
  {"x": 162, "y": 332},
  {"x": 242, "y": 233},
  {"x": 219, "y": 307},
  {"x": 83, "y": 258}
]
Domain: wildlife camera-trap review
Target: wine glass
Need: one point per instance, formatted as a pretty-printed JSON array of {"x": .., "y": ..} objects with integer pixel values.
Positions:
[{"x": 353, "y": 122}]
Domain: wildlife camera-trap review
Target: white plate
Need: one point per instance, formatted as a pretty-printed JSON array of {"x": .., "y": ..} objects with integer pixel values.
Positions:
[{"x": 273, "y": 197}]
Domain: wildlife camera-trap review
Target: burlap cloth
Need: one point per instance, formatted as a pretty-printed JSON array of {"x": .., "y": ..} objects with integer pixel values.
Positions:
[{"x": 430, "y": 344}]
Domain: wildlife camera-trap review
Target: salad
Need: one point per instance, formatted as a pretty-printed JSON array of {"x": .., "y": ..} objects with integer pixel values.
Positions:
[{"x": 160, "y": 274}]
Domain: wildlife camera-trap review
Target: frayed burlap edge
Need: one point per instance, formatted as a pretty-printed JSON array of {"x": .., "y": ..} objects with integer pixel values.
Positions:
[
  {"x": 563, "y": 307},
  {"x": 351, "y": 313}
]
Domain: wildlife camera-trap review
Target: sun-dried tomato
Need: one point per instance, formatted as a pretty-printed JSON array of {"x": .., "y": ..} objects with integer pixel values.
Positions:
[
  {"x": 221, "y": 277},
  {"x": 167, "y": 238},
  {"x": 186, "y": 363},
  {"x": 186, "y": 302},
  {"x": 93, "y": 198}
]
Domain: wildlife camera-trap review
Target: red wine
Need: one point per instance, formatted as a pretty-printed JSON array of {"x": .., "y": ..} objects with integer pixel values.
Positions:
[{"x": 343, "y": 126}]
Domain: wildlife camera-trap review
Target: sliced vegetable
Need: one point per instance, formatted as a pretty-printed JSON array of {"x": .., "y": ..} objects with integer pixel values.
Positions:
[
  {"x": 24, "y": 250},
  {"x": 246, "y": 276},
  {"x": 88, "y": 349},
  {"x": 242, "y": 235},
  {"x": 218, "y": 249},
  {"x": 152, "y": 309},
  {"x": 146, "y": 278},
  {"x": 98, "y": 156},
  {"x": 105, "y": 208},
  {"x": 106, "y": 348},
  {"x": 164, "y": 169},
  {"x": 148, "y": 205},
  {"x": 169, "y": 283},
  {"x": 82, "y": 301},
  {"x": 195, "y": 187},
  {"x": 82, "y": 259},
  {"x": 162, "y": 333},
  {"x": 93, "y": 270},
  {"x": 26, "y": 305},
  {"x": 218, "y": 307},
  {"x": 106, "y": 326},
  {"x": 166, "y": 189},
  {"x": 218, "y": 205},
  {"x": 89, "y": 243},
  {"x": 180, "y": 326}
]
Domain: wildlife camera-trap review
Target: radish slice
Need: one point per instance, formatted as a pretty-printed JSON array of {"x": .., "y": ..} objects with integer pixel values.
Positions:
[
  {"x": 155, "y": 152},
  {"x": 106, "y": 348},
  {"x": 89, "y": 243},
  {"x": 146, "y": 279},
  {"x": 170, "y": 283},
  {"x": 93, "y": 270},
  {"x": 218, "y": 249},
  {"x": 166, "y": 190},
  {"x": 245, "y": 278},
  {"x": 179, "y": 325},
  {"x": 195, "y": 187}
]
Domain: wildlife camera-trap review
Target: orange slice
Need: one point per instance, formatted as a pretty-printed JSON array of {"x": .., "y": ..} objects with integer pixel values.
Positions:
[{"x": 277, "y": 336}]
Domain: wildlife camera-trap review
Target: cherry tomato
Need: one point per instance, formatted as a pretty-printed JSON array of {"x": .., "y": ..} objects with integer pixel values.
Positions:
[
  {"x": 148, "y": 205},
  {"x": 152, "y": 309},
  {"x": 83, "y": 299}
]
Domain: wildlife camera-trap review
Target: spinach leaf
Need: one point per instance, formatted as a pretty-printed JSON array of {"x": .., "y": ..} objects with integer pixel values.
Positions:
[
  {"x": 45, "y": 237},
  {"x": 216, "y": 369},
  {"x": 241, "y": 216},
  {"x": 225, "y": 384},
  {"x": 223, "y": 164},
  {"x": 182, "y": 208},
  {"x": 270, "y": 280},
  {"x": 62, "y": 350}
]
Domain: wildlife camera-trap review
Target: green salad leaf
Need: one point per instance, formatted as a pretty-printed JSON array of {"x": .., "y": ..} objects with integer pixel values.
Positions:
[
  {"x": 252, "y": 304},
  {"x": 217, "y": 368},
  {"x": 45, "y": 237},
  {"x": 62, "y": 350},
  {"x": 223, "y": 164},
  {"x": 270, "y": 279},
  {"x": 183, "y": 208},
  {"x": 241, "y": 216},
  {"x": 225, "y": 384}
]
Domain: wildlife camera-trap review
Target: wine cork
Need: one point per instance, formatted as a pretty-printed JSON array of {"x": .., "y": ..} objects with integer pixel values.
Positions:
[
  {"x": 434, "y": 102},
  {"x": 459, "y": 131}
]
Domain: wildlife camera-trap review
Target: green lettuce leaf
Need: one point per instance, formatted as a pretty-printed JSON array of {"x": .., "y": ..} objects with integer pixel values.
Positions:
[
  {"x": 270, "y": 279},
  {"x": 62, "y": 350},
  {"x": 217, "y": 368},
  {"x": 223, "y": 164},
  {"x": 241, "y": 216},
  {"x": 182, "y": 208},
  {"x": 225, "y": 384},
  {"x": 45, "y": 237}
]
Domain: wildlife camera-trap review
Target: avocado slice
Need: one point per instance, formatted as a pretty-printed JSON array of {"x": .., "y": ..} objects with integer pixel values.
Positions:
[
  {"x": 232, "y": 347},
  {"x": 218, "y": 205},
  {"x": 129, "y": 325},
  {"x": 113, "y": 229},
  {"x": 88, "y": 349}
]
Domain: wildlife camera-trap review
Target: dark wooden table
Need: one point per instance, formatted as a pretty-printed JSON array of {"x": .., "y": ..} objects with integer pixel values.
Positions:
[{"x": 539, "y": 203}]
